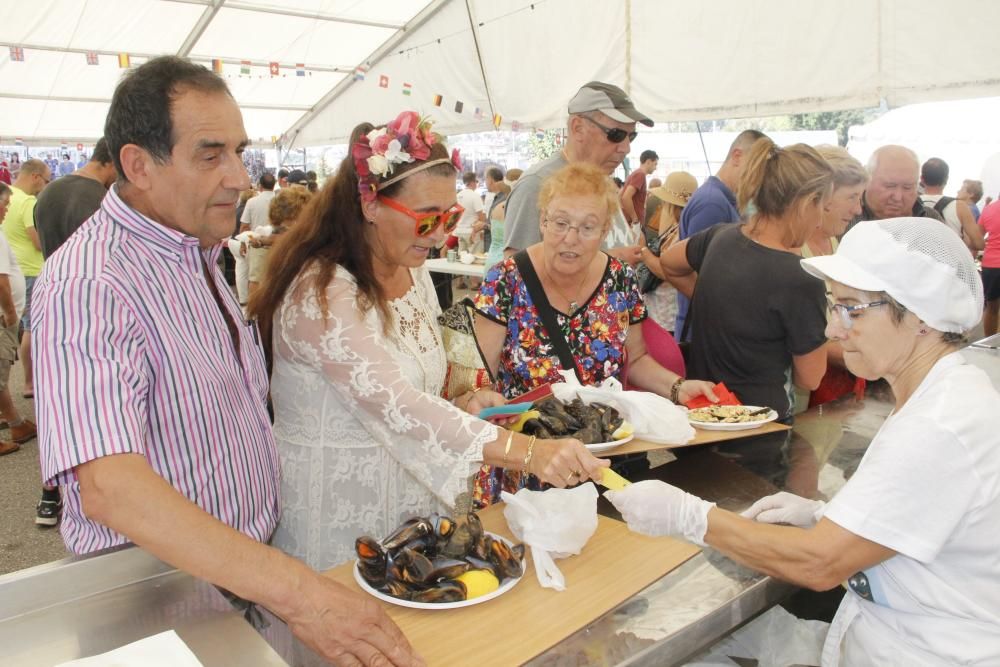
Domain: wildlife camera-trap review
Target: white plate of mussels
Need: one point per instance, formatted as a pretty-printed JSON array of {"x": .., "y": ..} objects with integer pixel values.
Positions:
[
  {"x": 441, "y": 587},
  {"x": 605, "y": 446}
]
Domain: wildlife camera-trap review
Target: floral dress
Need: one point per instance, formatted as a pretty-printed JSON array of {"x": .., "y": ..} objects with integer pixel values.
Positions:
[{"x": 595, "y": 334}]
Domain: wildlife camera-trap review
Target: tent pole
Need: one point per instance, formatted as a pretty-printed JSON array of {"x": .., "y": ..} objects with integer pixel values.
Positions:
[
  {"x": 479, "y": 57},
  {"x": 708, "y": 165},
  {"x": 200, "y": 27},
  {"x": 628, "y": 47}
]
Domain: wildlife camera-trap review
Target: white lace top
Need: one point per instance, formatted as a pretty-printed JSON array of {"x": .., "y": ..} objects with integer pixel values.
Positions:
[{"x": 364, "y": 439}]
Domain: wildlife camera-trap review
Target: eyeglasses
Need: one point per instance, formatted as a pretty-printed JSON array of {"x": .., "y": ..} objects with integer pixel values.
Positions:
[
  {"x": 844, "y": 311},
  {"x": 614, "y": 134},
  {"x": 560, "y": 228},
  {"x": 428, "y": 222}
]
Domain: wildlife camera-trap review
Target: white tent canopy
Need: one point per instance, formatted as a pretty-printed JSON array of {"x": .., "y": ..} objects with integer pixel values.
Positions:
[{"x": 519, "y": 59}]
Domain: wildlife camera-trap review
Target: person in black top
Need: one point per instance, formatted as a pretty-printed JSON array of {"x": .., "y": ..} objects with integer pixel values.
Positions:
[{"x": 757, "y": 319}]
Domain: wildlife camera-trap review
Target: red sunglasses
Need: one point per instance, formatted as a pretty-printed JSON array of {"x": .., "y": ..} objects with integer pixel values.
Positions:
[{"x": 428, "y": 222}]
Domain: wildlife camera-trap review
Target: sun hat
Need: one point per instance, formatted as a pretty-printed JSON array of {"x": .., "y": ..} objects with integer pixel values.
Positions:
[
  {"x": 678, "y": 189},
  {"x": 919, "y": 262},
  {"x": 610, "y": 101}
]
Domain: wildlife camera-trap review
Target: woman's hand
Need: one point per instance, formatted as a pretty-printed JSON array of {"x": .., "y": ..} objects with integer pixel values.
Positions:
[
  {"x": 565, "y": 462},
  {"x": 694, "y": 388}
]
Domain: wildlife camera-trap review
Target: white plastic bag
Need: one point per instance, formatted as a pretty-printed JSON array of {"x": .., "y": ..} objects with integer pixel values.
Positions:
[
  {"x": 555, "y": 523},
  {"x": 654, "y": 417}
]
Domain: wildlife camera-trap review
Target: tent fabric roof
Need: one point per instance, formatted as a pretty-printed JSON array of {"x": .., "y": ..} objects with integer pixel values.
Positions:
[{"x": 521, "y": 59}]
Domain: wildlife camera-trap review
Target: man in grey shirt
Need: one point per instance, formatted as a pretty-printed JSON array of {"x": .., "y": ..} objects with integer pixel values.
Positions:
[
  {"x": 69, "y": 200},
  {"x": 600, "y": 130}
]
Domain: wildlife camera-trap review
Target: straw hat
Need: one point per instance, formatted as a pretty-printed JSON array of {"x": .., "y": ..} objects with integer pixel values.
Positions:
[{"x": 678, "y": 189}]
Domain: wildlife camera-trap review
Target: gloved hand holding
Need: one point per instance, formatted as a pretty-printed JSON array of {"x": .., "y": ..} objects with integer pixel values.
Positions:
[
  {"x": 786, "y": 508},
  {"x": 656, "y": 508}
]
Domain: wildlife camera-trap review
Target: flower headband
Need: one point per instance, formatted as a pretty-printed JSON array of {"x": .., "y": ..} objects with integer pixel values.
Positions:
[{"x": 408, "y": 138}]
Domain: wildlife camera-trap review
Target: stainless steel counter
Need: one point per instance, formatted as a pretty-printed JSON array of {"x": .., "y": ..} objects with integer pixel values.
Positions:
[
  {"x": 79, "y": 607},
  {"x": 84, "y": 606}
]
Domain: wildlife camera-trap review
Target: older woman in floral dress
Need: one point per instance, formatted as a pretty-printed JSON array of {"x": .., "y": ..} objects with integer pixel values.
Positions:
[{"x": 594, "y": 301}]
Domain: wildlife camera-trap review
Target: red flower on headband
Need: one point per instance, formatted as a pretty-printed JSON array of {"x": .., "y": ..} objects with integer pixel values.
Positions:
[{"x": 407, "y": 138}]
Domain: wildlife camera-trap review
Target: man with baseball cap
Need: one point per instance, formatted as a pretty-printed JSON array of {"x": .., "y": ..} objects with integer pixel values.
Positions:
[{"x": 600, "y": 130}]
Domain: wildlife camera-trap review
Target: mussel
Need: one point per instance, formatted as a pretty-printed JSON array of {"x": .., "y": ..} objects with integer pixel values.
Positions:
[
  {"x": 444, "y": 591},
  {"x": 410, "y": 531},
  {"x": 503, "y": 557}
]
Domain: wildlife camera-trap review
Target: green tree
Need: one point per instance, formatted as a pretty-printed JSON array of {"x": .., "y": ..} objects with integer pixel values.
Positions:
[
  {"x": 841, "y": 121},
  {"x": 545, "y": 144}
]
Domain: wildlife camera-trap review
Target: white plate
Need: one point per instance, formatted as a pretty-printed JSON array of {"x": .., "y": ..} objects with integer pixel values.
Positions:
[
  {"x": 504, "y": 587},
  {"x": 736, "y": 426},
  {"x": 605, "y": 446}
]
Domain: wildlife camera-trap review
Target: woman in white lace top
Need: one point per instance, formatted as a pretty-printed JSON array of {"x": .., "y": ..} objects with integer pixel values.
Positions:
[{"x": 350, "y": 313}]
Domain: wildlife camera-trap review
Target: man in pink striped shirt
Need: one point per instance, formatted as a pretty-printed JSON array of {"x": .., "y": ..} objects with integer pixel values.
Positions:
[{"x": 151, "y": 387}]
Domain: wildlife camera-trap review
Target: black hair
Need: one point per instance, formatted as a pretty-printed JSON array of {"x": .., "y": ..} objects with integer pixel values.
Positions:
[
  {"x": 934, "y": 172},
  {"x": 469, "y": 177},
  {"x": 495, "y": 173},
  {"x": 267, "y": 180},
  {"x": 311, "y": 175},
  {"x": 648, "y": 155},
  {"x": 282, "y": 173},
  {"x": 140, "y": 111},
  {"x": 102, "y": 153}
]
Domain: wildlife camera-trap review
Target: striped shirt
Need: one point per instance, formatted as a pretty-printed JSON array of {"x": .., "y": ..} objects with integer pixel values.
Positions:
[{"x": 132, "y": 354}]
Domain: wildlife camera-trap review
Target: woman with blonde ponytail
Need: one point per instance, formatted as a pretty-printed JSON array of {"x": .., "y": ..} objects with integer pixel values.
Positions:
[{"x": 757, "y": 320}]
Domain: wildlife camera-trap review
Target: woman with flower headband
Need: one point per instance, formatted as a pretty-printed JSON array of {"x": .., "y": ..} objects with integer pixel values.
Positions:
[{"x": 350, "y": 314}]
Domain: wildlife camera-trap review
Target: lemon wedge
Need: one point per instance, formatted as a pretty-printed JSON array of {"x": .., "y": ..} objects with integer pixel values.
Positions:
[
  {"x": 623, "y": 431},
  {"x": 612, "y": 480},
  {"x": 525, "y": 416},
  {"x": 478, "y": 583}
]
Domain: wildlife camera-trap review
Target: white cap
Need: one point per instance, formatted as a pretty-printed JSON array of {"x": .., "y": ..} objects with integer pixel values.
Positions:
[{"x": 919, "y": 262}]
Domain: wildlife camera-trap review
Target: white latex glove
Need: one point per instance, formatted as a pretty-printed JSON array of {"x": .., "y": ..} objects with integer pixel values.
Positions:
[
  {"x": 656, "y": 508},
  {"x": 786, "y": 508}
]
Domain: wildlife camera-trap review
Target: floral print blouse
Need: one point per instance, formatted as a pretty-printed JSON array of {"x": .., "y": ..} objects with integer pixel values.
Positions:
[{"x": 595, "y": 333}]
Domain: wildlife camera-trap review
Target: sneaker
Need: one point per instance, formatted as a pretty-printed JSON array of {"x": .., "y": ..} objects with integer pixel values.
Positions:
[
  {"x": 24, "y": 432},
  {"x": 47, "y": 512},
  {"x": 8, "y": 447}
]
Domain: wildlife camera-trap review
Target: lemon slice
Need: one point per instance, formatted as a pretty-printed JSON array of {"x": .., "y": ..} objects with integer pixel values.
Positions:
[
  {"x": 525, "y": 416},
  {"x": 623, "y": 431},
  {"x": 478, "y": 583},
  {"x": 612, "y": 480}
]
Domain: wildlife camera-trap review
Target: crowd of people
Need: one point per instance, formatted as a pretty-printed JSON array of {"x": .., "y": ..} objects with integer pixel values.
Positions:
[{"x": 264, "y": 428}]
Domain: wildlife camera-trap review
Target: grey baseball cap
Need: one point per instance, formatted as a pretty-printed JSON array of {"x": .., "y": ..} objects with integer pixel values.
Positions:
[{"x": 609, "y": 100}]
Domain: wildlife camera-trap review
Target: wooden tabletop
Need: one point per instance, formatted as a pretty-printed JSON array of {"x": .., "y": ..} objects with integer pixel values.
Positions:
[
  {"x": 702, "y": 437},
  {"x": 528, "y": 619}
]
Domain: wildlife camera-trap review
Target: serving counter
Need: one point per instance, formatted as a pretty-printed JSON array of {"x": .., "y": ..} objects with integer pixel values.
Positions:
[{"x": 83, "y": 606}]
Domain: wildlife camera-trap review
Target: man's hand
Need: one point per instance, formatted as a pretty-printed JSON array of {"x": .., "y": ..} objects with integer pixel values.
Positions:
[
  {"x": 348, "y": 629},
  {"x": 630, "y": 255}
]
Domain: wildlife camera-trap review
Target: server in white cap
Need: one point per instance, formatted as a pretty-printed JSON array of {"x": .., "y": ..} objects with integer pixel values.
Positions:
[
  {"x": 600, "y": 130},
  {"x": 915, "y": 532}
]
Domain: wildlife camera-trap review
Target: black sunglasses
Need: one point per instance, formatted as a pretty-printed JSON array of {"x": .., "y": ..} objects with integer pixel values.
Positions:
[{"x": 615, "y": 135}]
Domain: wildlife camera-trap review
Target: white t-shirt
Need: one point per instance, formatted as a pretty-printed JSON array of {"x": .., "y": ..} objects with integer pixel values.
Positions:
[
  {"x": 470, "y": 201},
  {"x": 950, "y": 213},
  {"x": 255, "y": 213},
  {"x": 928, "y": 488},
  {"x": 10, "y": 268}
]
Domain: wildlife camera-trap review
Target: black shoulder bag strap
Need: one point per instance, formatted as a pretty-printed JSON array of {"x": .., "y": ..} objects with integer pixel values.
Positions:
[{"x": 546, "y": 312}]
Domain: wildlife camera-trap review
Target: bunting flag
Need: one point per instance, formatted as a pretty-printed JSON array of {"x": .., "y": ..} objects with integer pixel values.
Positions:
[
  {"x": 91, "y": 57},
  {"x": 274, "y": 68},
  {"x": 124, "y": 61},
  {"x": 64, "y": 146},
  {"x": 16, "y": 54},
  {"x": 437, "y": 100},
  {"x": 459, "y": 106},
  {"x": 79, "y": 147},
  {"x": 359, "y": 74},
  {"x": 515, "y": 126},
  {"x": 217, "y": 65},
  {"x": 18, "y": 142},
  {"x": 539, "y": 133},
  {"x": 478, "y": 113},
  {"x": 274, "y": 139},
  {"x": 496, "y": 121},
  {"x": 407, "y": 89},
  {"x": 383, "y": 81},
  {"x": 300, "y": 69},
  {"x": 245, "y": 67}
]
